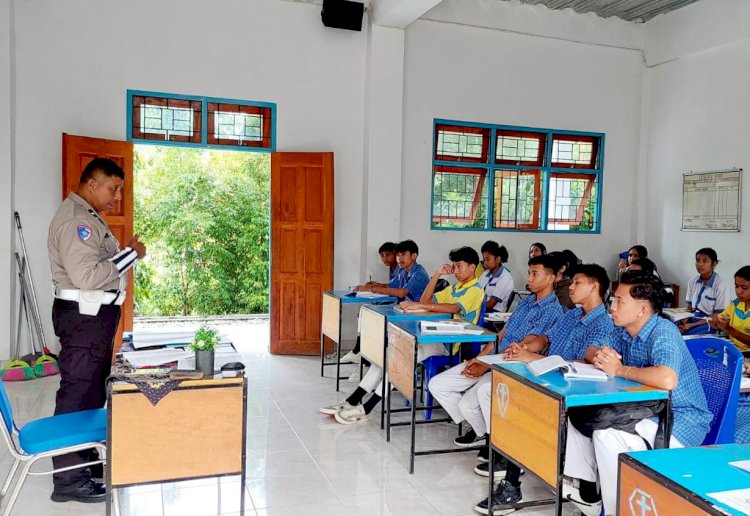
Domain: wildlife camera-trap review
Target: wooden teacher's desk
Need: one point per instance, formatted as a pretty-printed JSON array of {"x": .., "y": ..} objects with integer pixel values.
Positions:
[
  {"x": 529, "y": 418},
  {"x": 680, "y": 481},
  {"x": 195, "y": 431},
  {"x": 331, "y": 323}
]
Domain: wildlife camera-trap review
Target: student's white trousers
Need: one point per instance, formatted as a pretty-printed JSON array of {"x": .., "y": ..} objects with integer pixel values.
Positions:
[
  {"x": 458, "y": 395},
  {"x": 372, "y": 381},
  {"x": 583, "y": 456}
]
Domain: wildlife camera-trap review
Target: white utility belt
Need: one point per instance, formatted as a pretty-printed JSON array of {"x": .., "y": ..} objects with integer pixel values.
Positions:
[{"x": 89, "y": 301}]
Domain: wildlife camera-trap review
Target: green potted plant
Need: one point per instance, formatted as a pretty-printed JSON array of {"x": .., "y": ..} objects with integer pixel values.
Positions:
[{"x": 204, "y": 343}]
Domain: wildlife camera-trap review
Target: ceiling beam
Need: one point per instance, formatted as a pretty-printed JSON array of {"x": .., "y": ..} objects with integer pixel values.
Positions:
[{"x": 399, "y": 13}]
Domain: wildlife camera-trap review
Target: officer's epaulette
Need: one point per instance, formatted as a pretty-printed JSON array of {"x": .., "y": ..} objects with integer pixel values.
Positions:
[{"x": 96, "y": 216}]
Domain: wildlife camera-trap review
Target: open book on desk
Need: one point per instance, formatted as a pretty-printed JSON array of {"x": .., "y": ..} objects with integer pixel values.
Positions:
[
  {"x": 369, "y": 295},
  {"x": 410, "y": 310},
  {"x": 570, "y": 370},
  {"x": 677, "y": 314},
  {"x": 448, "y": 328}
]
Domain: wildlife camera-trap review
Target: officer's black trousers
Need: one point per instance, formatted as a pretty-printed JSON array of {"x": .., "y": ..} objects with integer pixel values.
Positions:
[{"x": 85, "y": 361}]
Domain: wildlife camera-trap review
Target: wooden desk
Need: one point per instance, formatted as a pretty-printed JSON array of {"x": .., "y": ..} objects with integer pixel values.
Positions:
[
  {"x": 401, "y": 365},
  {"x": 373, "y": 335},
  {"x": 529, "y": 418},
  {"x": 676, "y": 482},
  {"x": 198, "y": 430},
  {"x": 333, "y": 306}
]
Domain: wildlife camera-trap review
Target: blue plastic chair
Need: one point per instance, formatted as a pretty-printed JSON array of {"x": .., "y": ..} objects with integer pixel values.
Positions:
[
  {"x": 720, "y": 368},
  {"x": 431, "y": 366},
  {"x": 48, "y": 437}
]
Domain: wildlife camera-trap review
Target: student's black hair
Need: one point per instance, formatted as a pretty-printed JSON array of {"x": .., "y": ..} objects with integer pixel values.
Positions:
[
  {"x": 464, "y": 254},
  {"x": 642, "y": 251},
  {"x": 407, "y": 246},
  {"x": 492, "y": 247},
  {"x": 550, "y": 263},
  {"x": 596, "y": 273},
  {"x": 558, "y": 260},
  {"x": 541, "y": 247},
  {"x": 104, "y": 165},
  {"x": 707, "y": 251},
  {"x": 743, "y": 272},
  {"x": 646, "y": 287},
  {"x": 387, "y": 247},
  {"x": 647, "y": 266},
  {"x": 571, "y": 262}
]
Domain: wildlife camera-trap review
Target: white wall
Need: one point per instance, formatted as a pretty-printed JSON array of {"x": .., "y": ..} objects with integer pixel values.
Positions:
[
  {"x": 480, "y": 75},
  {"x": 697, "y": 120},
  {"x": 76, "y": 59}
]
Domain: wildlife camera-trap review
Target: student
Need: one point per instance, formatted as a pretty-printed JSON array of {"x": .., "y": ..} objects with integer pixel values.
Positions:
[
  {"x": 645, "y": 348},
  {"x": 570, "y": 337},
  {"x": 735, "y": 319},
  {"x": 408, "y": 282},
  {"x": 632, "y": 254},
  {"x": 496, "y": 280},
  {"x": 387, "y": 253},
  {"x": 706, "y": 294},
  {"x": 643, "y": 264},
  {"x": 456, "y": 388},
  {"x": 537, "y": 249},
  {"x": 563, "y": 278},
  {"x": 463, "y": 300}
]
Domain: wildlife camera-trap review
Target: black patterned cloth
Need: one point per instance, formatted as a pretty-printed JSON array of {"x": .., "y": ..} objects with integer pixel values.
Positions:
[{"x": 154, "y": 386}]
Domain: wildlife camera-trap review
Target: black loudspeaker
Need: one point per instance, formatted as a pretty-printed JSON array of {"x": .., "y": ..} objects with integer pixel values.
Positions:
[{"x": 342, "y": 14}]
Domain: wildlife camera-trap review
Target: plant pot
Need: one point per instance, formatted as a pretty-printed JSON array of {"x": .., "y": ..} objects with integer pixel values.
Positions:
[{"x": 204, "y": 362}]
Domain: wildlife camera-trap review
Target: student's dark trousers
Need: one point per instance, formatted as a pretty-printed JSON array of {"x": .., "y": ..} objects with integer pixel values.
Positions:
[{"x": 85, "y": 361}]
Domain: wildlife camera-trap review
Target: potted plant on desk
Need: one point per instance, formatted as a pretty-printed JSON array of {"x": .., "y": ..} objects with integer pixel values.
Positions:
[{"x": 204, "y": 343}]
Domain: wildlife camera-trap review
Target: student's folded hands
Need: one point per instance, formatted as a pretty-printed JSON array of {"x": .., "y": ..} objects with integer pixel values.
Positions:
[
  {"x": 608, "y": 360},
  {"x": 474, "y": 368}
]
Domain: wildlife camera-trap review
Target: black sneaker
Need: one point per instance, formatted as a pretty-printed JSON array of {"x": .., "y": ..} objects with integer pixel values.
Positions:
[
  {"x": 484, "y": 454},
  {"x": 483, "y": 469},
  {"x": 90, "y": 492},
  {"x": 505, "y": 496},
  {"x": 470, "y": 438}
]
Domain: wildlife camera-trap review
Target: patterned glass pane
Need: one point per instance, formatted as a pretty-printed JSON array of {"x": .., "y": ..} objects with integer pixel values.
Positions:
[
  {"x": 462, "y": 144},
  {"x": 167, "y": 119},
  {"x": 459, "y": 198},
  {"x": 516, "y": 199},
  {"x": 238, "y": 126},
  {"x": 572, "y": 203},
  {"x": 574, "y": 152},
  {"x": 519, "y": 148}
]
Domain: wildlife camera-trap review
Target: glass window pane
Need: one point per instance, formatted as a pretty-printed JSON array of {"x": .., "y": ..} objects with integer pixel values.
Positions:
[
  {"x": 572, "y": 203},
  {"x": 517, "y": 148},
  {"x": 574, "y": 152},
  {"x": 516, "y": 199},
  {"x": 459, "y": 198},
  {"x": 455, "y": 143}
]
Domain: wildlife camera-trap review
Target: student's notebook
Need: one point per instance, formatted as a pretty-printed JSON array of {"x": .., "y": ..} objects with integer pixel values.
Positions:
[
  {"x": 677, "y": 314},
  {"x": 498, "y": 358},
  {"x": 570, "y": 370},
  {"x": 448, "y": 328}
]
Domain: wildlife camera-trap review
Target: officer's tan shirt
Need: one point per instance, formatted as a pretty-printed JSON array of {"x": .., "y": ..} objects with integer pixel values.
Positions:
[{"x": 79, "y": 246}]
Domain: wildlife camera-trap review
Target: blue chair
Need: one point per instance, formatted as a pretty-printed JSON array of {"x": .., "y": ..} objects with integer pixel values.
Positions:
[
  {"x": 720, "y": 368},
  {"x": 48, "y": 437},
  {"x": 431, "y": 366}
]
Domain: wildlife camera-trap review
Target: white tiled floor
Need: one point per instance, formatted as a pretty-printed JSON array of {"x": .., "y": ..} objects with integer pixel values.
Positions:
[{"x": 298, "y": 460}]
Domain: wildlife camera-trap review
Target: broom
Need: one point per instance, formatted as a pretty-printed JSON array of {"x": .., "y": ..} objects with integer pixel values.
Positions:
[{"x": 17, "y": 370}]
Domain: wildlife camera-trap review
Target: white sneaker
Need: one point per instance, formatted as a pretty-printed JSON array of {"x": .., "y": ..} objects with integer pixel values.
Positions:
[
  {"x": 351, "y": 415},
  {"x": 332, "y": 409},
  {"x": 351, "y": 358},
  {"x": 354, "y": 377},
  {"x": 571, "y": 493}
]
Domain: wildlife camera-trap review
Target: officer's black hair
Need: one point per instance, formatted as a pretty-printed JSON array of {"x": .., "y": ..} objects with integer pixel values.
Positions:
[
  {"x": 550, "y": 263},
  {"x": 387, "y": 247},
  {"x": 597, "y": 273},
  {"x": 646, "y": 287},
  {"x": 104, "y": 165},
  {"x": 407, "y": 246},
  {"x": 464, "y": 254}
]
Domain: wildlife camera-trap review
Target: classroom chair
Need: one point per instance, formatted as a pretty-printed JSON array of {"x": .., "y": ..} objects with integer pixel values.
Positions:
[
  {"x": 48, "y": 437},
  {"x": 720, "y": 368}
]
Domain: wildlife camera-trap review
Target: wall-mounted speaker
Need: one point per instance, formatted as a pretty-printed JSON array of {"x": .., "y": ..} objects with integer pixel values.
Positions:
[{"x": 342, "y": 14}]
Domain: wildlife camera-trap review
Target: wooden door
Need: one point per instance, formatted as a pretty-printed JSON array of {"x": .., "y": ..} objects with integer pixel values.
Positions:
[
  {"x": 301, "y": 248},
  {"x": 78, "y": 151}
]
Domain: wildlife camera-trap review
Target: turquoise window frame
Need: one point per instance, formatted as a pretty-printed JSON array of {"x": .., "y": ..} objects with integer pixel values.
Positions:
[
  {"x": 203, "y": 144},
  {"x": 545, "y": 170}
]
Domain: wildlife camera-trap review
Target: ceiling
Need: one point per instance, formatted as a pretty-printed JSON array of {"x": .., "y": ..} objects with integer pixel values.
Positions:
[{"x": 631, "y": 10}]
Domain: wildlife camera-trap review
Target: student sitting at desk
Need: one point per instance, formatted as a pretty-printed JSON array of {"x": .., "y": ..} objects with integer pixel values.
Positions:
[
  {"x": 706, "y": 294},
  {"x": 407, "y": 281},
  {"x": 496, "y": 280},
  {"x": 563, "y": 277},
  {"x": 645, "y": 348},
  {"x": 464, "y": 300},
  {"x": 456, "y": 388},
  {"x": 735, "y": 319},
  {"x": 570, "y": 337},
  {"x": 537, "y": 249}
]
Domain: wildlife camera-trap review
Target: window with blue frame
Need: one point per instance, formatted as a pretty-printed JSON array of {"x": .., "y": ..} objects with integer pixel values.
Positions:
[
  {"x": 195, "y": 121},
  {"x": 492, "y": 177}
]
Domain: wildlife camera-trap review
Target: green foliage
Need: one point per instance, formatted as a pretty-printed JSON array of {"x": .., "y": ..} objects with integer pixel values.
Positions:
[
  {"x": 205, "y": 339},
  {"x": 204, "y": 216}
]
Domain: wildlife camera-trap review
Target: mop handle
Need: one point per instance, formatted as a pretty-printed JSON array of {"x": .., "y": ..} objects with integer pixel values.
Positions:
[{"x": 32, "y": 291}]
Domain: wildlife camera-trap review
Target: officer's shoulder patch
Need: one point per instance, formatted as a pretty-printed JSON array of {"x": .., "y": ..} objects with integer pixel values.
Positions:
[{"x": 84, "y": 232}]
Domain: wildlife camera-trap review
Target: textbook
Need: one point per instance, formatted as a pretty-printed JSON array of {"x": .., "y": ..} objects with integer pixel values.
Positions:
[
  {"x": 448, "y": 328},
  {"x": 497, "y": 316},
  {"x": 369, "y": 295},
  {"x": 677, "y": 314},
  {"x": 498, "y": 358},
  {"x": 410, "y": 310},
  {"x": 572, "y": 370}
]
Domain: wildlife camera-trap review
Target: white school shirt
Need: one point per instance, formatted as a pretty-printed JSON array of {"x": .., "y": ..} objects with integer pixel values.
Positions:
[
  {"x": 710, "y": 297},
  {"x": 498, "y": 286}
]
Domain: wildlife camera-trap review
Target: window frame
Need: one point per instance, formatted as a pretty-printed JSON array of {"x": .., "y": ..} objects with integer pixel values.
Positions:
[
  {"x": 203, "y": 142},
  {"x": 545, "y": 172}
]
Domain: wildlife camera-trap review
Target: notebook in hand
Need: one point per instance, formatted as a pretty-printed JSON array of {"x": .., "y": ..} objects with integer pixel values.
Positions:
[{"x": 571, "y": 370}]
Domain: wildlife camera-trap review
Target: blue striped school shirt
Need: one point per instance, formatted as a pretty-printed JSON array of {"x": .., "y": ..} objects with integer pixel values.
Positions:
[
  {"x": 531, "y": 318},
  {"x": 414, "y": 280},
  {"x": 574, "y": 332}
]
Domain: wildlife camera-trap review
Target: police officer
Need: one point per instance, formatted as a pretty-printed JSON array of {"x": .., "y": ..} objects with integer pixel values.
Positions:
[{"x": 89, "y": 272}]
